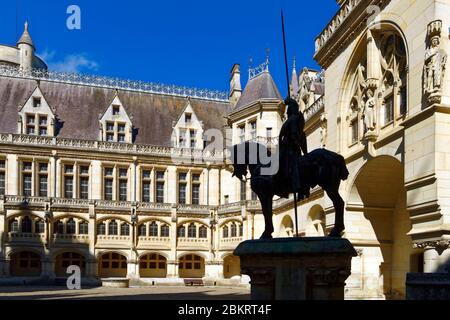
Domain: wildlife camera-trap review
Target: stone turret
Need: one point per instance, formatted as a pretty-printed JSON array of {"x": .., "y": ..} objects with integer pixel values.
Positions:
[
  {"x": 26, "y": 49},
  {"x": 235, "y": 84}
]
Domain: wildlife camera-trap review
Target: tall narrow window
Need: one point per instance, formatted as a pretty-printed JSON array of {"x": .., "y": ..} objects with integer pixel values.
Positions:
[
  {"x": 39, "y": 226},
  {"x": 142, "y": 231},
  {"x": 225, "y": 232},
  {"x": 101, "y": 229},
  {"x": 243, "y": 191},
  {"x": 233, "y": 230},
  {"x": 202, "y": 232},
  {"x": 110, "y": 131},
  {"x": 182, "y": 138},
  {"x": 68, "y": 181},
  {"x": 160, "y": 186},
  {"x": 113, "y": 228},
  {"x": 195, "y": 188},
  {"x": 43, "y": 179},
  {"x": 124, "y": 229},
  {"x": 71, "y": 226},
  {"x": 43, "y": 125},
  {"x": 388, "y": 110},
  {"x": 146, "y": 183},
  {"x": 192, "y": 138},
  {"x": 192, "y": 231},
  {"x": 181, "y": 232},
  {"x": 241, "y": 130},
  {"x": 121, "y": 132},
  {"x": 2, "y": 177},
  {"x": 26, "y": 224},
  {"x": 84, "y": 182},
  {"x": 31, "y": 123},
  {"x": 165, "y": 231},
  {"x": 241, "y": 230},
  {"x": 58, "y": 227},
  {"x": 83, "y": 228},
  {"x": 182, "y": 187},
  {"x": 108, "y": 183},
  {"x": 153, "y": 230},
  {"x": 36, "y": 102},
  {"x": 123, "y": 184},
  {"x": 403, "y": 100},
  {"x": 27, "y": 178},
  {"x": 253, "y": 130}
]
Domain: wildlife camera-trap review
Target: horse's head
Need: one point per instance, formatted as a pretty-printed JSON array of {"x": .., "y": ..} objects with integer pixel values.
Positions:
[{"x": 243, "y": 155}]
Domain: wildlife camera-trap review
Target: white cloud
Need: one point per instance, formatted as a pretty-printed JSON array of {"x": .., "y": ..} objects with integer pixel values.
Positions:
[{"x": 75, "y": 62}]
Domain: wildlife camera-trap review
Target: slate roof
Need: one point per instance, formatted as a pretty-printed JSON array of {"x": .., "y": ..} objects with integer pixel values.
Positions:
[
  {"x": 257, "y": 88},
  {"x": 78, "y": 108}
]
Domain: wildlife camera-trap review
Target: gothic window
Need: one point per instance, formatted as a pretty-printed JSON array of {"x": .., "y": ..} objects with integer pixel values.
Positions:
[
  {"x": 84, "y": 182},
  {"x": 192, "y": 231},
  {"x": 124, "y": 229},
  {"x": 27, "y": 181},
  {"x": 203, "y": 232},
  {"x": 165, "y": 231},
  {"x": 153, "y": 229},
  {"x": 195, "y": 187},
  {"x": 14, "y": 226},
  {"x": 68, "y": 181},
  {"x": 101, "y": 229},
  {"x": 241, "y": 230},
  {"x": 108, "y": 183},
  {"x": 83, "y": 228},
  {"x": 146, "y": 183},
  {"x": 142, "y": 230},
  {"x": 26, "y": 224},
  {"x": 58, "y": 227},
  {"x": 225, "y": 232},
  {"x": 39, "y": 226},
  {"x": 233, "y": 230},
  {"x": 71, "y": 226},
  {"x": 113, "y": 228},
  {"x": 116, "y": 124},
  {"x": 43, "y": 179},
  {"x": 182, "y": 184},
  {"x": 123, "y": 184},
  {"x": 160, "y": 181},
  {"x": 181, "y": 232}
]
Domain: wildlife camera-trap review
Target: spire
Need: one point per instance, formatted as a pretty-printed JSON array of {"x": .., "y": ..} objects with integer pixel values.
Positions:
[
  {"x": 26, "y": 38},
  {"x": 294, "y": 81}
]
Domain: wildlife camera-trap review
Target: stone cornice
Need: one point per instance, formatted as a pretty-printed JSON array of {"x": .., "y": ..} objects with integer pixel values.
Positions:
[
  {"x": 255, "y": 107},
  {"x": 348, "y": 21}
]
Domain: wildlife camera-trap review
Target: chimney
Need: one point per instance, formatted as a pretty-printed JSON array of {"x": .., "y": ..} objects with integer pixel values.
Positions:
[{"x": 235, "y": 84}]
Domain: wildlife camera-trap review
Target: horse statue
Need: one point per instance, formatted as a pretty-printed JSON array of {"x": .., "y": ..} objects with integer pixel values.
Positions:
[{"x": 319, "y": 167}]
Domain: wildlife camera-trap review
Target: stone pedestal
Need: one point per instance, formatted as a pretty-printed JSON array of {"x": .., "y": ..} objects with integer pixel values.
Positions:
[
  {"x": 296, "y": 268},
  {"x": 428, "y": 286}
]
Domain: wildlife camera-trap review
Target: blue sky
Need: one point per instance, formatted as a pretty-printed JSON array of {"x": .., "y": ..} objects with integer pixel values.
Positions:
[{"x": 192, "y": 43}]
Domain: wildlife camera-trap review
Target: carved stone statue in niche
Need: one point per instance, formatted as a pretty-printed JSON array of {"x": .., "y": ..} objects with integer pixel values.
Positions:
[
  {"x": 435, "y": 64},
  {"x": 369, "y": 111}
]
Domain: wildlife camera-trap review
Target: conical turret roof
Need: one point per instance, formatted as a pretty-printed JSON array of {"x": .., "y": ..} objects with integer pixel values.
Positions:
[{"x": 26, "y": 38}]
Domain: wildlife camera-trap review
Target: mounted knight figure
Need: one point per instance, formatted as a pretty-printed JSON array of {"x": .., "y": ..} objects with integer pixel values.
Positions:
[
  {"x": 296, "y": 173},
  {"x": 293, "y": 144}
]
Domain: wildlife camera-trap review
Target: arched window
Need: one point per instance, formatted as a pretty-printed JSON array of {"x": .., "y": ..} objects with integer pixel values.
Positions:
[
  {"x": 142, "y": 230},
  {"x": 192, "y": 231},
  {"x": 26, "y": 224},
  {"x": 101, "y": 229},
  {"x": 202, "y": 232},
  {"x": 39, "y": 226},
  {"x": 71, "y": 226},
  {"x": 153, "y": 229},
  {"x": 181, "y": 232},
  {"x": 165, "y": 231},
  {"x": 241, "y": 230},
  {"x": 225, "y": 232},
  {"x": 58, "y": 227},
  {"x": 124, "y": 229},
  {"x": 83, "y": 228},
  {"x": 14, "y": 226},
  {"x": 113, "y": 228},
  {"x": 233, "y": 230}
]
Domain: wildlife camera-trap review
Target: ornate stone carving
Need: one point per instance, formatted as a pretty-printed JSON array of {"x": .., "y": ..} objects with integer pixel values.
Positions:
[
  {"x": 323, "y": 130},
  {"x": 435, "y": 64},
  {"x": 437, "y": 244},
  {"x": 328, "y": 276}
]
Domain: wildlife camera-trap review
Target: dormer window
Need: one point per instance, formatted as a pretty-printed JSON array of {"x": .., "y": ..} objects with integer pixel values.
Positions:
[
  {"x": 30, "y": 124},
  {"x": 192, "y": 138},
  {"x": 115, "y": 123},
  {"x": 188, "y": 118},
  {"x": 43, "y": 125},
  {"x": 36, "y": 102},
  {"x": 116, "y": 110}
]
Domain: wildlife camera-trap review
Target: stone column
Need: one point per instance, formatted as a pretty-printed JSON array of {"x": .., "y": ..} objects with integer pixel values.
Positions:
[
  {"x": 48, "y": 269},
  {"x": 172, "y": 262}
]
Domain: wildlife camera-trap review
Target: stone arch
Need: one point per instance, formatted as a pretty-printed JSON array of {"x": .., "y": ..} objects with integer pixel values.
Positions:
[
  {"x": 316, "y": 224},
  {"x": 153, "y": 265},
  {"x": 67, "y": 257},
  {"x": 25, "y": 262},
  {"x": 286, "y": 227},
  {"x": 112, "y": 264},
  {"x": 377, "y": 200},
  {"x": 191, "y": 265}
]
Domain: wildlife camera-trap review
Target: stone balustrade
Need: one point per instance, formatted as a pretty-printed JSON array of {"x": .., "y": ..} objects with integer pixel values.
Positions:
[{"x": 25, "y": 237}]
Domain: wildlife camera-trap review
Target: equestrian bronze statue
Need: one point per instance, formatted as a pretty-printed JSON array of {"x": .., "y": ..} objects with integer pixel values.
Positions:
[{"x": 296, "y": 172}]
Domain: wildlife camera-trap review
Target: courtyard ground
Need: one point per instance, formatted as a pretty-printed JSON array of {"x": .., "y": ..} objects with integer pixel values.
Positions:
[{"x": 141, "y": 293}]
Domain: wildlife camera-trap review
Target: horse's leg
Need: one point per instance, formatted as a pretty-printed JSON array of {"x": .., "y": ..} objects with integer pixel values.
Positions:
[
  {"x": 338, "y": 203},
  {"x": 266, "y": 204}
]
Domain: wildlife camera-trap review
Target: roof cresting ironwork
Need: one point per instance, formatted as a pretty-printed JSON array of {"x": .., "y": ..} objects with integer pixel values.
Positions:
[{"x": 113, "y": 83}]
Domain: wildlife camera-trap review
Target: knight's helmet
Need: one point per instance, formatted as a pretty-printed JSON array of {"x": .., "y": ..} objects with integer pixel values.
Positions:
[{"x": 293, "y": 107}]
